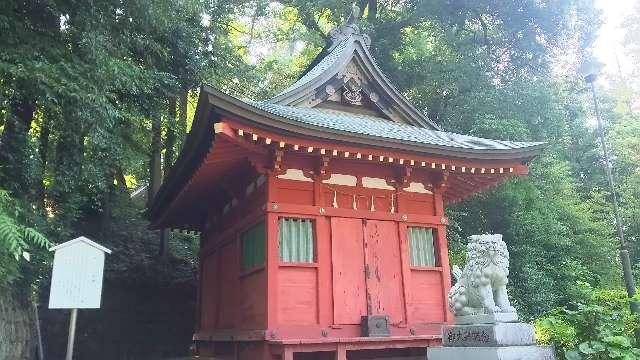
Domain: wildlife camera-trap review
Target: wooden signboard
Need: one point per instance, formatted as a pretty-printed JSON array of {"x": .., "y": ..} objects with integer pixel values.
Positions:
[{"x": 76, "y": 280}]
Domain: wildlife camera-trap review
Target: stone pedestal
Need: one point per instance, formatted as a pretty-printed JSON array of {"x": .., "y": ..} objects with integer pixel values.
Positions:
[
  {"x": 493, "y": 318},
  {"x": 530, "y": 352},
  {"x": 490, "y": 341}
]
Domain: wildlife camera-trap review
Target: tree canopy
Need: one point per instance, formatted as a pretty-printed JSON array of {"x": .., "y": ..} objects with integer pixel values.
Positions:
[{"x": 96, "y": 99}]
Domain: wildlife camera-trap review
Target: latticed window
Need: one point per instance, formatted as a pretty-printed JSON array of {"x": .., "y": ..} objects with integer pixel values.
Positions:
[
  {"x": 296, "y": 240},
  {"x": 253, "y": 245},
  {"x": 421, "y": 247}
]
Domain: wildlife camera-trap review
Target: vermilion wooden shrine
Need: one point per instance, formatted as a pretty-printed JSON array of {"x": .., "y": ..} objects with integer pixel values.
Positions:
[{"x": 321, "y": 211}]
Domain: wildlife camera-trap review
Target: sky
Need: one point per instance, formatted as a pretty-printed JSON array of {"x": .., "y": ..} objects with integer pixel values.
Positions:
[{"x": 610, "y": 40}]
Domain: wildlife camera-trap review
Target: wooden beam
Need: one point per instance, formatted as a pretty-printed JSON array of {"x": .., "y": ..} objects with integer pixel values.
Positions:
[
  {"x": 224, "y": 130},
  {"x": 433, "y": 161}
]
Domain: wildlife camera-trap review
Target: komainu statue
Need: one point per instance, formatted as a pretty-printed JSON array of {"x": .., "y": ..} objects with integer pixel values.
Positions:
[{"x": 481, "y": 286}]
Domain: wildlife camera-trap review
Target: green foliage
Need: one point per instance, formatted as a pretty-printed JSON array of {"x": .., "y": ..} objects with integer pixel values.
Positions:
[
  {"x": 552, "y": 232},
  {"x": 598, "y": 325},
  {"x": 17, "y": 240},
  {"x": 80, "y": 82},
  {"x": 624, "y": 136}
]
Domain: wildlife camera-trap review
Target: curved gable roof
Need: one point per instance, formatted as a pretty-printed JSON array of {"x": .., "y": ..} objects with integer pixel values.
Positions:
[{"x": 351, "y": 48}]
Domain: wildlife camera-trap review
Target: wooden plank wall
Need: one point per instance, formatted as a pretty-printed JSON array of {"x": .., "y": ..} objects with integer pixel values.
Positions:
[
  {"x": 349, "y": 286},
  {"x": 384, "y": 270},
  {"x": 394, "y": 288},
  {"x": 332, "y": 290}
]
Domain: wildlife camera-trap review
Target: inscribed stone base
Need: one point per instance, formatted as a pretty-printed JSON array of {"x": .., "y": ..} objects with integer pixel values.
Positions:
[
  {"x": 529, "y": 352},
  {"x": 500, "y": 334},
  {"x": 486, "y": 318}
]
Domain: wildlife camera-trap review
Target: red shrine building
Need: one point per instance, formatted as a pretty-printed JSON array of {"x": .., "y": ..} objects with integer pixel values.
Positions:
[{"x": 321, "y": 213}]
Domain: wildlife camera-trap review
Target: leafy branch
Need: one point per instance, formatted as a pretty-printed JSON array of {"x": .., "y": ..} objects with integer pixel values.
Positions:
[{"x": 15, "y": 237}]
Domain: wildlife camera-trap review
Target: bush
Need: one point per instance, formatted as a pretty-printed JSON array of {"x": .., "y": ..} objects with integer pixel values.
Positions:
[{"x": 598, "y": 325}]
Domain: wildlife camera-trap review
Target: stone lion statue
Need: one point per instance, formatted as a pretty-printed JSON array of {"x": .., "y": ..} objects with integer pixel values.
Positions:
[{"x": 481, "y": 285}]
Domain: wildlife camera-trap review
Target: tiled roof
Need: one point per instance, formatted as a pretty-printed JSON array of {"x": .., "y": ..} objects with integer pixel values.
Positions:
[
  {"x": 359, "y": 124},
  {"x": 331, "y": 63},
  {"x": 320, "y": 67}
]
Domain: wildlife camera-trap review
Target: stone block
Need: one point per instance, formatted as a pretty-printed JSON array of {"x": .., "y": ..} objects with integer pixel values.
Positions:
[
  {"x": 500, "y": 334},
  {"x": 529, "y": 352},
  {"x": 486, "y": 318}
]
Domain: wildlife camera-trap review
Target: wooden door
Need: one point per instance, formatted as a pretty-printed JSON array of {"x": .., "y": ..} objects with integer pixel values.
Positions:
[
  {"x": 347, "y": 258},
  {"x": 383, "y": 269}
]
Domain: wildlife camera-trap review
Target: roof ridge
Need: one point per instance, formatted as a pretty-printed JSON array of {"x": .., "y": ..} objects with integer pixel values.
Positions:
[
  {"x": 337, "y": 66},
  {"x": 348, "y": 29},
  {"x": 332, "y": 119},
  {"x": 327, "y": 60}
]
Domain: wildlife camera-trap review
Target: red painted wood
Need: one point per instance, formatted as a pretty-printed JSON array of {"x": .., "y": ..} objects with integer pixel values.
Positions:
[
  {"x": 209, "y": 292},
  {"x": 353, "y": 343},
  {"x": 313, "y": 333},
  {"x": 287, "y": 354},
  {"x": 223, "y": 130},
  {"x": 273, "y": 257},
  {"x": 254, "y": 352},
  {"x": 229, "y": 233},
  {"x": 325, "y": 283},
  {"x": 349, "y": 287},
  {"x": 399, "y": 200},
  {"x": 324, "y": 301},
  {"x": 443, "y": 258},
  {"x": 252, "y": 314},
  {"x": 298, "y": 295},
  {"x": 231, "y": 151},
  {"x": 384, "y": 280},
  {"x": 292, "y": 209},
  {"x": 344, "y": 196},
  {"x": 416, "y": 203},
  {"x": 318, "y": 198},
  {"x": 426, "y": 304},
  {"x": 406, "y": 272},
  {"x": 245, "y": 205},
  {"x": 341, "y": 352},
  {"x": 354, "y": 149},
  {"x": 438, "y": 202},
  {"x": 294, "y": 192},
  {"x": 227, "y": 304}
]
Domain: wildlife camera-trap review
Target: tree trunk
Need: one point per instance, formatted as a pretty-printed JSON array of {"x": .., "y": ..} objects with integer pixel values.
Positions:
[
  {"x": 14, "y": 157},
  {"x": 182, "y": 121},
  {"x": 68, "y": 169},
  {"x": 155, "y": 166},
  {"x": 170, "y": 142},
  {"x": 43, "y": 150},
  {"x": 169, "y": 154},
  {"x": 122, "y": 182},
  {"x": 373, "y": 10},
  {"x": 107, "y": 202},
  {"x": 18, "y": 340},
  {"x": 163, "y": 246},
  {"x": 155, "y": 173}
]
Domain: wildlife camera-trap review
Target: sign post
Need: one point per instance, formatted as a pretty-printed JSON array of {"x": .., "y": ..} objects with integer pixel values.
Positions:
[
  {"x": 76, "y": 280},
  {"x": 72, "y": 333}
]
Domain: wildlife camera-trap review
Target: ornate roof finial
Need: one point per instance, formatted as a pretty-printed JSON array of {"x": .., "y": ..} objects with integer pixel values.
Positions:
[{"x": 347, "y": 29}]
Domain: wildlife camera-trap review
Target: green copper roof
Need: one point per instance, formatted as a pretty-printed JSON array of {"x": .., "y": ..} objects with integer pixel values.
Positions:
[
  {"x": 326, "y": 63},
  {"x": 359, "y": 124},
  {"x": 350, "y": 47}
]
